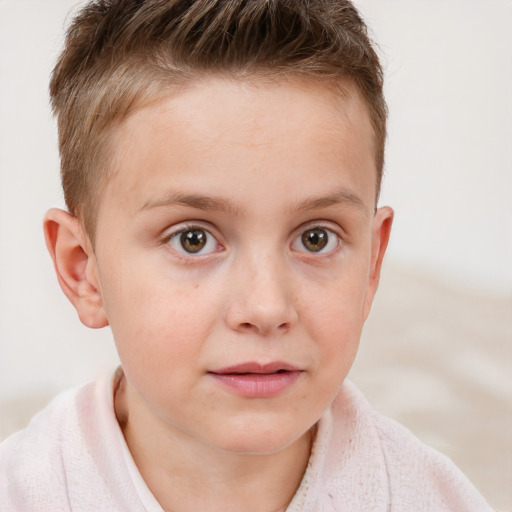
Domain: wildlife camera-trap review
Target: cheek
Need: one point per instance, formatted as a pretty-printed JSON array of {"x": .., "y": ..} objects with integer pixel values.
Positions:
[
  {"x": 156, "y": 320},
  {"x": 333, "y": 317},
  {"x": 339, "y": 341}
]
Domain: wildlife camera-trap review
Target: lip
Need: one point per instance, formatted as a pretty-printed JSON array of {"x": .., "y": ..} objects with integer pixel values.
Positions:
[
  {"x": 254, "y": 367},
  {"x": 256, "y": 380}
]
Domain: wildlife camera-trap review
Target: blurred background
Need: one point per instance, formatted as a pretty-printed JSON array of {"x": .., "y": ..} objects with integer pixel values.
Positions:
[{"x": 437, "y": 351}]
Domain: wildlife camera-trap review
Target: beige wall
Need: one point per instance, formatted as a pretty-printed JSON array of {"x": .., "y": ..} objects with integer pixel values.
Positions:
[
  {"x": 449, "y": 167},
  {"x": 449, "y": 178}
]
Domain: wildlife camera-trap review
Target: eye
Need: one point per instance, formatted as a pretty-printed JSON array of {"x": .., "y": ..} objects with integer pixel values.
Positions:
[
  {"x": 194, "y": 241},
  {"x": 316, "y": 240}
]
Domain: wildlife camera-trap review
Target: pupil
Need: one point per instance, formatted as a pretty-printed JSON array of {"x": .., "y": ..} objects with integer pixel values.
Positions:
[
  {"x": 193, "y": 240},
  {"x": 315, "y": 239}
]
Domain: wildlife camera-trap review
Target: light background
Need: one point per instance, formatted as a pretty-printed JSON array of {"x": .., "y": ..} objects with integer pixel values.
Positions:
[{"x": 448, "y": 176}]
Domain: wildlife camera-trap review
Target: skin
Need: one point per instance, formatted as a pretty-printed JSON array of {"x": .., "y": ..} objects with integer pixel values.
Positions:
[{"x": 254, "y": 166}]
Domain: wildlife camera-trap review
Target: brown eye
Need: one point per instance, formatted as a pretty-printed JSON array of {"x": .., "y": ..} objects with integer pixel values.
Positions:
[
  {"x": 193, "y": 240},
  {"x": 315, "y": 240}
]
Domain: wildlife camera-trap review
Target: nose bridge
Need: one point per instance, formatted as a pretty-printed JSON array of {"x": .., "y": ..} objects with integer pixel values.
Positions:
[{"x": 262, "y": 300}]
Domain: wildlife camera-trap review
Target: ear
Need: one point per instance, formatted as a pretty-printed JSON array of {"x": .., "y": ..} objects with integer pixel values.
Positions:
[
  {"x": 75, "y": 264},
  {"x": 382, "y": 221}
]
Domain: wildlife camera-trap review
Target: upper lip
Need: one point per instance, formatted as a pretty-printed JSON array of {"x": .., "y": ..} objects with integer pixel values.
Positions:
[{"x": 254, "y": 367}]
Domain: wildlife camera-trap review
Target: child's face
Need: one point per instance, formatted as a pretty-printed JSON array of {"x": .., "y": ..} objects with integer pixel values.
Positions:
[{"x": 239, "y": 229}]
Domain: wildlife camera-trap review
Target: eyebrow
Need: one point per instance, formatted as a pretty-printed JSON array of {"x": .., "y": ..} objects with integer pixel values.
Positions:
[
  {"x": 196, "y": 201},
  {"x": 209, "y": 203},
  {"x": 342, "y": 197}
]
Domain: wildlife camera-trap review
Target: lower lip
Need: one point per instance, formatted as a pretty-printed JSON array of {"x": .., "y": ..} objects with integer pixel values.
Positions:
[{"x": 258, "y": 385}]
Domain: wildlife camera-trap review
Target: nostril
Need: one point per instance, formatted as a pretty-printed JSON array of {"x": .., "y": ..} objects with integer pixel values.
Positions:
[{"x": 249, "y": 326}]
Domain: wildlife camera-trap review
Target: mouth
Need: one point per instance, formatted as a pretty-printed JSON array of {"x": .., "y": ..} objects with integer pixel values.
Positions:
[{"x": 255, "y": 380}]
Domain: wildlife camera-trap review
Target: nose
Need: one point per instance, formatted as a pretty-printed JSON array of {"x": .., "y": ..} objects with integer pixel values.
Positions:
[{"x": 262, "y": 299}]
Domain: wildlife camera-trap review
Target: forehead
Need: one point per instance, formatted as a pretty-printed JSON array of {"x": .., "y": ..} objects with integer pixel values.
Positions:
[{"x": 244, "y": 132}]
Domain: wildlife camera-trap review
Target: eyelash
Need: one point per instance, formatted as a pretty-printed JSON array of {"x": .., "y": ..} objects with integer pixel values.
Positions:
[
  {"x": 332, "y": 236},
  {"x": 186, "y": 255},
  {"x": 175, "y": 235}
]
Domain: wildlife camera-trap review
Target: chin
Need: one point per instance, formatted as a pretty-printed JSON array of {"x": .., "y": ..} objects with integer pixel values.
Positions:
[
  {"x": 254, "y": 446},
  {"x": 257, "y": 439}
]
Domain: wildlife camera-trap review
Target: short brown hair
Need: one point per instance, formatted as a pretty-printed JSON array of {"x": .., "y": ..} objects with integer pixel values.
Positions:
[{"x": 119, "y": 54}]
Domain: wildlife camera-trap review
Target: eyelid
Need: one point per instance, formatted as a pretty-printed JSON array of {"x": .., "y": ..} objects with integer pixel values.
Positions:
[
  {"x": 180, "y": 227},
  {"x": 177, "y": 230},
  {"x": 335, "y": 231},
  {"x": 322, "y": 224}
]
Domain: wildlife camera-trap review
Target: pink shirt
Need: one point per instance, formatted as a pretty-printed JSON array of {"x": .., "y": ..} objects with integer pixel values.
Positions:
[{"x": 73, "y": 456}]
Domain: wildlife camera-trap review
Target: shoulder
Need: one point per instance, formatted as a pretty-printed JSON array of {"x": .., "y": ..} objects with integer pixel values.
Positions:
[
  {"x": 417, "y": 474},
  {"x": 31, "y": 460},
  {"x": 67, "y": 450},
  {"x": 362, "y": 461}
]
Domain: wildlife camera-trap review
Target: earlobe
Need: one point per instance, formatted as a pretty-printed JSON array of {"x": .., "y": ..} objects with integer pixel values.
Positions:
[
  {"x": 382, "y": 223},
  {"x": 75, "y": 265}
]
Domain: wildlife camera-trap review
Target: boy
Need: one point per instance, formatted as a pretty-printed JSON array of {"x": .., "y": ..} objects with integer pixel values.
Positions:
[{"x": 221, "y": 162}]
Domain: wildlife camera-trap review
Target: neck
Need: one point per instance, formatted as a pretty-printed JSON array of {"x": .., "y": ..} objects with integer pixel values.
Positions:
[{"x": 185, "y": 474}]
